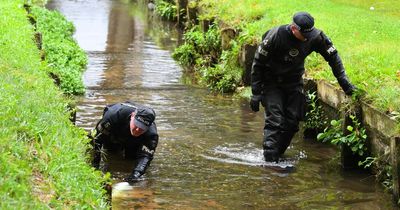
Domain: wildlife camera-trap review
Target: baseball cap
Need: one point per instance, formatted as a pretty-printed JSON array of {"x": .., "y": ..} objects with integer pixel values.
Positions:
[
  {"x": 144, "y": 117},
  {"x": 305, "y": 22}
]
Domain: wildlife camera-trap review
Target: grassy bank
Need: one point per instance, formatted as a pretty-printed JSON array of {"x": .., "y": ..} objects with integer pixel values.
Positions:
[
  {"x": 42, "y": 155},
  {"x": 365, "y": 34}
]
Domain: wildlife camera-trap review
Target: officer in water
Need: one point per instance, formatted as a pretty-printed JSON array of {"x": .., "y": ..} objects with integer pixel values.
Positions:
[
  {"x": 129, "y": 127},
  {"x": 277, "y": 83}
]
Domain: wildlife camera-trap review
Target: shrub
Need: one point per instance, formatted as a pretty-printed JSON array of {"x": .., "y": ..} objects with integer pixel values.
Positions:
[
  {"x": 166, "y": 10},
  {"x": 64, "y": 57},
  {"x": 355, "y": 139}
]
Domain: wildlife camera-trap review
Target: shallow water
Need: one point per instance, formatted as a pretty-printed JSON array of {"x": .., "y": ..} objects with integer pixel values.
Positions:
[{"x": 209, "y": 154}]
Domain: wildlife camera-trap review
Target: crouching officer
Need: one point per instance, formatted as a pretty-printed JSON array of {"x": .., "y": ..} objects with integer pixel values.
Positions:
[
  {"x": 276, "y": 78},
  {"x": 131, "y": 127}
]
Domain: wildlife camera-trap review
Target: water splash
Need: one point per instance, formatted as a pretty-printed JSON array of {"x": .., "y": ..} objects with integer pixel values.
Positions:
[{"x": 248, "y": 155}]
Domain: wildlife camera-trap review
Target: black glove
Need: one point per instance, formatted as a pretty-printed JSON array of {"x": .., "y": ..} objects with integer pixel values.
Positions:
[
  {"x": 96, "y": 161},
  {"x": 359, "y": 93},
  {"x": 350, "y": 91},
  {"x": 96, "y": 154},
  {"x": 134, "y": 177},
  {"x": 356, "y": 93},
  {"x": 255, "y": 102}
]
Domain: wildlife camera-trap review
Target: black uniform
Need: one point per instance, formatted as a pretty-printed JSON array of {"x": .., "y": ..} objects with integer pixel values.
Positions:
[
  {"x": 113, "y": 131},
  {"x": 277, "y": 77}
]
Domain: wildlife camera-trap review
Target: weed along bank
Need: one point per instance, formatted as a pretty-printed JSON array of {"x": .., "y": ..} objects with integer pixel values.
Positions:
[{"x": 220, "y": 41}]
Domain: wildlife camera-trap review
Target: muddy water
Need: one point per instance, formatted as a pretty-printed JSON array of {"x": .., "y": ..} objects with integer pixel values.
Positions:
[{"x": 209, "y": 154}]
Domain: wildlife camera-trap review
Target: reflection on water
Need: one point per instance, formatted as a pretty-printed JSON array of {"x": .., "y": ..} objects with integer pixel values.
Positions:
[{"x": 209, "y": 154}]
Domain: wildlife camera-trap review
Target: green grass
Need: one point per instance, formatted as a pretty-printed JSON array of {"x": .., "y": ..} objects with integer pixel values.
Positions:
[
  {"x": 42, "y": 155},
  {"x": 367, "y": 40}
]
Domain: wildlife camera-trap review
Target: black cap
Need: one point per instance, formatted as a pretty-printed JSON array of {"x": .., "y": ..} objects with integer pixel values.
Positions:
[
  {"x": 144, "y": 117},
  {"x": 305, "y": 22}
]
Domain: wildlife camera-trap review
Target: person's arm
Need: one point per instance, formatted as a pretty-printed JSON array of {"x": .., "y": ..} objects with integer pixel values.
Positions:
[
  {"x": 330, "y": 54},
  {"x": 145, "y": 155},
  {"x": 102, "y": 133},
  {"x": 258, "y": 70},
  {"x": 261, "y": 57}
]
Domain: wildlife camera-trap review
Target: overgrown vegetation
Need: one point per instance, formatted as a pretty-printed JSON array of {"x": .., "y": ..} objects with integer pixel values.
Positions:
[
  {"x": 65, "y": 59},
  {"x": 215, "y": 68},
  {"x": 42, "y": 155},
  {"x": 355, "y": 139},
  {"x": 225, "y": 76},
  {"x": 383, "y": 169},
  {"x": 166, "y": 9},
  {"x": 315, "y": 118}
]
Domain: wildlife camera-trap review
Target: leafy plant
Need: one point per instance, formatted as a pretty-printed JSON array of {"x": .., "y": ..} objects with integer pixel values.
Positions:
[
  {"x": 385, "y": 177},
  {"x": 368, "y": 162},
  {"x": 355, "y": 139},
  {"x": 185, "y": 55},
  {"x": 166, "y": 10},
  {"x": 383, "y": 169},
  {"x": 219, "y": 70},
  {"x": 315, "y": 115},
  {"x": 220, "y": 79},
  {"x": 205, "y": 43}
]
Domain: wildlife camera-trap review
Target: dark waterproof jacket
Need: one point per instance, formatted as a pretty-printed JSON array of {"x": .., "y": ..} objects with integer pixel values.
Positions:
[
  {"x": 280, "y": 57},
  {"x": 114, "y": 128}
]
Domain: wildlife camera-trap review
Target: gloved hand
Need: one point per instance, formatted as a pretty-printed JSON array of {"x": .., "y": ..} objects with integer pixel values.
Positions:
[
  {"x": 356, "y": 93},
  {"x": 350, "y": 91},
  {"x": 359, "y": 93},
  {"x": 96, "y": 158},
  {"x": 96, "y": 164},
  {"x": 255, "y": 102},
  {"x": 134, "y": 177}
]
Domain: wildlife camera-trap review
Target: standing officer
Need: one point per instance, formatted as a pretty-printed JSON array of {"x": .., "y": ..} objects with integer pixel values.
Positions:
[
  {"x": 131, "y": 127},
  {"x": 276, "y": 78}
]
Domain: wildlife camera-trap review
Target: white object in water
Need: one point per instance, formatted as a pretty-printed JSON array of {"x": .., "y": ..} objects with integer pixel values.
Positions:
[{"x": 122, "y": 186}]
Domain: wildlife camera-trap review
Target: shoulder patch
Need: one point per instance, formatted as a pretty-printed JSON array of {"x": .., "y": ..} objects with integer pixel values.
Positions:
[
  {"x": 331, "y": 50},
  {"x": 147, "y": 150},
  {"x": 265, "y": 41},
  {"x": 104, "y": 128},
  {"x": 107, "y": 125},
  {"x": 262, "y": 51}
]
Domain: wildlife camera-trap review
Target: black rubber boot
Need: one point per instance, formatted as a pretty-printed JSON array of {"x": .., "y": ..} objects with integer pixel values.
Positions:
[
  {"x": 284, "y": 140},
  {"x": 270, "y": 152}
]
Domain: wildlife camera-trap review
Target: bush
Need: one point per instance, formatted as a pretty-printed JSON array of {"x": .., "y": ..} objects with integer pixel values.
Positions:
[
  {"x": 219, "y": 71},
  {"x": 63, "y": 55},
  {"x": 355, "y": 139},
  {"x": 166, "y": 10},
  {"x": 315, "y": 116}
]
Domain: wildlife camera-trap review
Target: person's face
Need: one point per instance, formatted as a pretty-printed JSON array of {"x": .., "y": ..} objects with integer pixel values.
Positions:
[
  {"x": 135, "y": 131},
  {"x": 296, "y": 32}
]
